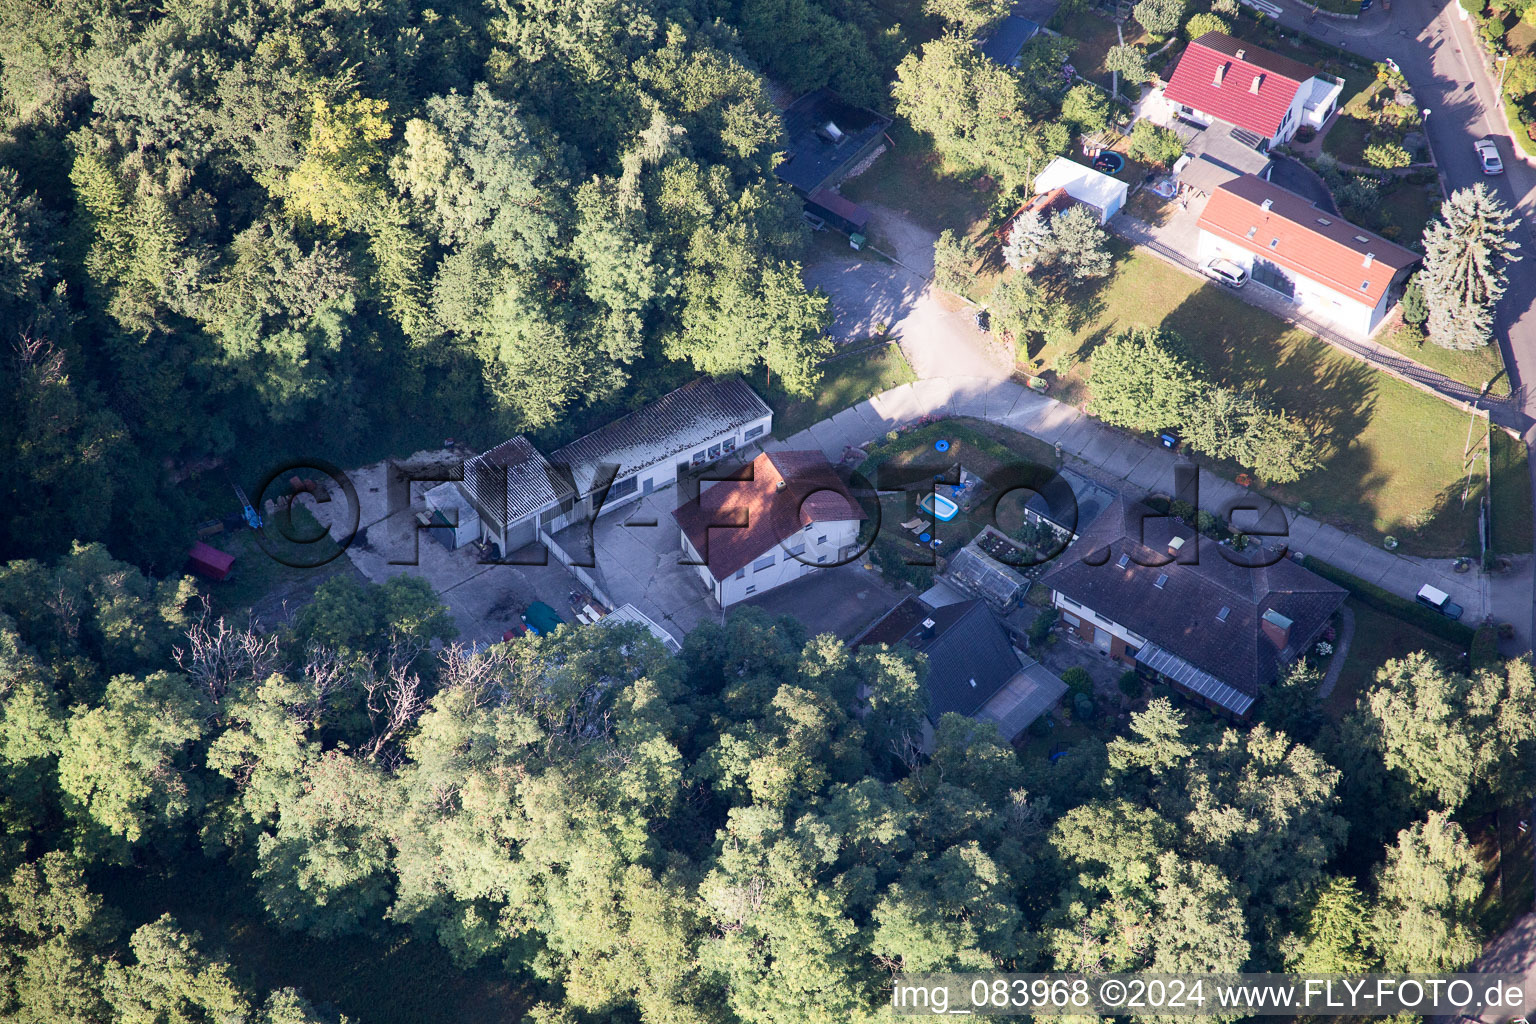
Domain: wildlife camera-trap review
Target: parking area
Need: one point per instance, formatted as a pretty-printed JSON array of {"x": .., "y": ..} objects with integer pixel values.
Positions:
[
  {"x": 841, "y": 600},
  {"x": 638, "y": 556},
  {"x": 484, "y": 600}
]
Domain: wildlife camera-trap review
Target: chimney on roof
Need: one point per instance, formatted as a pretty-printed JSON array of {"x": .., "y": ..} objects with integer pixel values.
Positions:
[
  {"x": 1174, "y": 545},
  {"x": 781, "y": 485},
  {"x": 1240, "y": 54},
  {"x": 1266, "y": 204},
  {"x": 1277, "y": 628},
  {"x": 1254, "y": 88},
  {"x": 1370, "y": 258},
  {"x": 930, "y": 629},
  {"x": 1221, "y": 72}
]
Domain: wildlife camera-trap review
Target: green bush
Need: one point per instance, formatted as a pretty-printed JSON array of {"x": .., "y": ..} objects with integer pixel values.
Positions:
[
  {"x": 1078, "y": 680},
  {"x": 1083, "y": 708},
  {"x": 1519, "y": 125},
  {"x": 1369, "y": 594},
  {"x": 1484, "y": 652},
  {"x": 1041, "y": 627},
  {"x": 1473, "y": 6},
  {"x": 1129, "y": 683},
  {"x": 891, "y": 560}
]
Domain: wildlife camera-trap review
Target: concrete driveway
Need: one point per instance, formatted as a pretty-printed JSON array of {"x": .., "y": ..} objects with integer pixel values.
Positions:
[
  {"x": 935, "y": 330},
  {"x": 484, "y": 600},
  {"x": 841, "y": 600}
]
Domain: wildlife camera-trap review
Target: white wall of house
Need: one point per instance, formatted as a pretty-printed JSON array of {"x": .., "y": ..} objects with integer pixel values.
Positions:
[
  {"x": 634, "y": 483},
  {"x": 1319, "y": 97},
  {"x": 1313, "y": 297},
  {"x": 1074, "y": 613},
  {"x": 781, "y": 563}
]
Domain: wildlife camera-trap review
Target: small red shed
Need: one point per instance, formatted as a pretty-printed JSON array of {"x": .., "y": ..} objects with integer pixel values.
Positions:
[{"x": 209, "y": 561}]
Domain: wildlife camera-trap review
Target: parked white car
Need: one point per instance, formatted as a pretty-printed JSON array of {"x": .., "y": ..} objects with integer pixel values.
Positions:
[
  {"x": 1226, "y": 272},
  {"x": 1488, "y": 153}
]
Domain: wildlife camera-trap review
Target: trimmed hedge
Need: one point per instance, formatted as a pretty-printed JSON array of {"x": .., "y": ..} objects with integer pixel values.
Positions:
[
  {"x": 1369, "y": 594},
  {"x": 1518, "y": 126},
  {"x": 1484, "y": 652}
]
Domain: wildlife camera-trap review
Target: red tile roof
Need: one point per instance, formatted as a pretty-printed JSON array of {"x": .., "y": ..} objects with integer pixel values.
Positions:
[
  {"x": 1194, "y": 82},
  {"x": 734, "y": 522},
  {"x": 1297, "y": 235}
]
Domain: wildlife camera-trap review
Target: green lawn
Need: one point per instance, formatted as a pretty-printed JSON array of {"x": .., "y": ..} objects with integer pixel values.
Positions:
[
  {"x": 1511, "y": 504},
  {"x": 1094, "y": 36},
  {"x": 393, "y": 977},
  {"x": 273, "y": 572},
  {"x": 847, "y": 381},
  {"x": 1394, "y": 461},
  {"x": 906, "y": 466},
  {"x": 914, "y": 179},
  {"x": 1345, "y": 141},
  {"x": 1379, "y": 638},
  {"x": 1406, "y": 208},
  {"x": 1473, "y": 367}
]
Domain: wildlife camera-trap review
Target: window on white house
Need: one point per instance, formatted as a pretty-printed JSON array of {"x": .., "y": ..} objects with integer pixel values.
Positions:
[
  {"x": 822, "y": 539},
  {"x": 763, "y": 563},
  {"x": 622, "y": 487},
  {"x": 714, "y": 452},
  {"x": 750, "y": 434},
  {"x": 741, "y": 573},
  {"x": 751, "y": 589},
  {"x": 798, "y": 549}
]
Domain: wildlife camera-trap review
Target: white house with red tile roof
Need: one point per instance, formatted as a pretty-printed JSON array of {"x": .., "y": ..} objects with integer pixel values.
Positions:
[
  {"x": 1330, "y": 268},
  {"x": 1219, "y": 78},
  {"x": 787, "y": 515}
]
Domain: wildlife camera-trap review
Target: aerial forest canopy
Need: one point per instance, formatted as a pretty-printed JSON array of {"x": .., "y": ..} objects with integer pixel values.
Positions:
[
  {"x": 228, "y": 226},
  {"x": 744, "y": 832}
]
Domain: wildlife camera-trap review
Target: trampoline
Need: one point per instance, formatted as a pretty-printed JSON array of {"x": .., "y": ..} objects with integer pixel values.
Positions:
[
  {"x": 940, "y": 507},
  {"x": 1109, "y": 162}
]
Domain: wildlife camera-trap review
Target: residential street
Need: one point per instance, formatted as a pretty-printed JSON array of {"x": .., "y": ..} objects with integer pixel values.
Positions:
[
  {"x": 1434, "y": 48},
  {"x": 1135, "y": 467},
  {"x": 1436, "y": 52}
]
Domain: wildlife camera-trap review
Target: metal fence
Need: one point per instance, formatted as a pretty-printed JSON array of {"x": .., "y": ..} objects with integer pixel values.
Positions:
[{"x": 1397, "y": 365}]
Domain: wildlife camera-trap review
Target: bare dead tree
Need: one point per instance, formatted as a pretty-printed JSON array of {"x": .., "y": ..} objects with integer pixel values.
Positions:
[
  {"x": 217, "y": 654},
  {"x": 909, "y": 749},
  {"x": 483, "y": 675},
  {"x": 325, "y": 674},
  {"x": 1026, "y": 817},
  {"x": 395, "y": 699}
]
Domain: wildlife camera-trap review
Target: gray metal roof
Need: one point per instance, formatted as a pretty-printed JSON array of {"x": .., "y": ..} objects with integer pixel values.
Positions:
[
  {"x": 511, "y": 481},
  {"x": 628, "y": 614},
  {"x": 1193, "y": 679},
  {"x": 674, "y": 424}
]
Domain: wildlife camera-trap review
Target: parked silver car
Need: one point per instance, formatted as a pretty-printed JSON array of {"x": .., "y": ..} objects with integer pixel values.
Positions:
[
  {"x": 1226, "y": 272},
  {"x": 1488, "y": 154}
]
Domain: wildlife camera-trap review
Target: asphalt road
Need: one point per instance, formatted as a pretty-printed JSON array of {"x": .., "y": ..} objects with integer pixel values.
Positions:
[{"x": 1446, "y": 72}]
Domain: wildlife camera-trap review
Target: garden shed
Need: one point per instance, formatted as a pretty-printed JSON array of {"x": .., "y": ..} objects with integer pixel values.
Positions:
[{"x": 1090, "y": 187}]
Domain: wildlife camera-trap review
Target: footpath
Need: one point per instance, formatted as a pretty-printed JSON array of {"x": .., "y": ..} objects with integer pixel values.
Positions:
[{"x": 1137, "y": 468}]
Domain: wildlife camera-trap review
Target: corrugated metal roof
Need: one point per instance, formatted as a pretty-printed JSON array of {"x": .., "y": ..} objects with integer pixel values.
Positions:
[
  {"x": 1193, "y": 679},
  {"x": 511, "y": 481},
  {"x": 674, "y": 424}
]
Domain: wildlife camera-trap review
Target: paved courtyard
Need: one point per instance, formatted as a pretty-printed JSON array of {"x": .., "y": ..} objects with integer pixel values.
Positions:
[{"x": 484, "y": 600}]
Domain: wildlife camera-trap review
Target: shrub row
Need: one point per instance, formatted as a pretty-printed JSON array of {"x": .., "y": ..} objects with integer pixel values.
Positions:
[{"x": 1369, "y": 594}]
